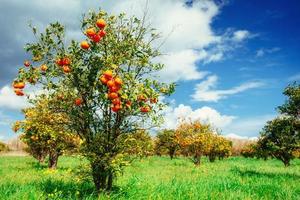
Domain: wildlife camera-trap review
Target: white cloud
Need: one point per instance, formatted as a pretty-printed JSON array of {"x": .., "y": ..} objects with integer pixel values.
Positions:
[
  {"x": 181, "y": 66},
  {"x": 248, "y": 126},
  {"x": 240, "y": 35},
  {"x": 205, "y": 91},
  {"x": 235, "y": 136},
  {"x": 9, "y": 100},
  {"x": 204, "y": 114},
  {"x": 261, "y": 52}
]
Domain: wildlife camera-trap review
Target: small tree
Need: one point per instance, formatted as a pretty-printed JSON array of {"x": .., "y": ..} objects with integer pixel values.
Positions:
[
  {"x": 108, "y": 79},
  {"x": 220, "y": 147},
  {"x": 166, "y": 140},
  {"x": 46, "y": 132},
  {"x": 3, "y": 147},
  {"x": 194, "y": 138},
  {"x": 138, "y": 143},
  {"x": 280, "y": 138}
]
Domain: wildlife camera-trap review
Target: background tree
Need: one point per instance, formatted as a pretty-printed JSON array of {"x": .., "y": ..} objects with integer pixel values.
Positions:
[
  {"x": 3, "y": 147},
  {"x": 46, "y": 132},
  {"x": 138, "y": 143},
  {"x": 108, "y": 79},
  {"x": 194, "y": 138},
  {"x": 166, "y": 140},
  {"x": 220, "y": 147},
  {"x": 281, "y": 136}
]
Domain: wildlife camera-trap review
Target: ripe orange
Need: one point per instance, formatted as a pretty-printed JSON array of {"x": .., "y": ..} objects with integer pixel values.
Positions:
[
  {"x": 118, "y": 81},
  {"x": 78, "y": 101},
  {"x": 102, "y": 33},
  {"x": 19, "y": 92},
  {"x": 128, "y": 104},
  {"x": 101, "y": 23},
  {"x": 96, "y": 38},
  {"x": 84, "y": 45},
  {"x": 145, "y": 109},
  {"x": 26, "y": 63},
  {"x": 114, "y": 88},
  {"x": 108, "y": 74},
  {"x": 116, "y": 108},
  {"x": 112, "y": 95},
  {"x": 153, "y": 100},
  {"x": 142, "y": 98},
  {"x": 66, "y": 61},
  {"x": 59, "y": 62},
  {"x": 44, "y": 67},
  {"x": 19, "y": 85},
  {"x": 116, "y": 101},
  {"x": 66, "y": 69},
  {"x": 111, "y": 83},
  {"x": 103, "y": 80},
  {"x": 90, "y": 32}
]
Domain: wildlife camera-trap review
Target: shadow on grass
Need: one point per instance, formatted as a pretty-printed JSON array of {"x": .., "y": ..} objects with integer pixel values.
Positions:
[{"x": 251, "y": 173}]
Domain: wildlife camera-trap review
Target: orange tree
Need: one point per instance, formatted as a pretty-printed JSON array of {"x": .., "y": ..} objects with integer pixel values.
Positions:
[
  {"x": 195, "y": 139},
  {"x": 108, "y": 80},
  {"x": 46, "y": 132},
  {"x": 166, "y": 140},
  {"x": 138, "y": 143},
  {"x": 220, "y": 147}
]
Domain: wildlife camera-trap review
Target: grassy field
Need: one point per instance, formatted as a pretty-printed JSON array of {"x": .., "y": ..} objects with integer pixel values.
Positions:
[{"x": 155, "y": 178}]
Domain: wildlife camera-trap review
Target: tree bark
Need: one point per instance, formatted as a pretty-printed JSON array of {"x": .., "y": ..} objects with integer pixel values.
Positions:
[
  {"x": 53, "y": 159},
  {"x": 197, "y": 159}
]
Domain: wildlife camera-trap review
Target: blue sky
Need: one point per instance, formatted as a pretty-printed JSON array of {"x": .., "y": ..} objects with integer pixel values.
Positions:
[{"x": 231, "y": 59}]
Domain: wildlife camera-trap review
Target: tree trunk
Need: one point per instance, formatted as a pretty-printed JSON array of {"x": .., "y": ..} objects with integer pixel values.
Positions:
[
  {"x": 102, "y": 178},
  {"x": 109, "y": 181},
  {"x": 286, "y": 162},
  {"x": 211, "y": 158},
  {"x": 53, "y": 159},
  {"x": 197, "y": 159},
  {"x": 172, "y": 153}
]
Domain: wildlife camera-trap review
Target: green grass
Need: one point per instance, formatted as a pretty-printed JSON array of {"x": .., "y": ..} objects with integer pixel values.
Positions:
[{"x": 155, "y": 178}]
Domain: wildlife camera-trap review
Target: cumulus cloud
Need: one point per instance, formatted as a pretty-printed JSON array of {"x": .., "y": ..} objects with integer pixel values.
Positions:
[
  {"x": 205, "y": 90},
  {"x": 9, "y": 100},
  {"x": 248, "y": 127},
  {"x": 173, "y": 116}
]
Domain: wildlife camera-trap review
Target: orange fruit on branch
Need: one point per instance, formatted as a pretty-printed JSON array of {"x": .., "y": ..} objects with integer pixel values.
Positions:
[
  {"x": 19, "y": 92},
  {"x": 26, "y": 63},
  {"x": 102, "y": 33},
  {"x": 44, "y": 68},
  {"x": 66, "y": 69},
  {"x": 108, "y": 74},
  {"x": 96, "y": 38},
  {"x": 116, "y": 101},
  {"x": 112, "y": 95},
  {"x": 103, "y": 80},
  {"x": 59, "y": 62},
  {"x": 78, "y": 101},
  {"x": 145, "y": 109},
  {"x": 85, "y": 45},
  {"x": 111, "y": 83},
  {"x": 90, "y": 32},
  {"x": 66, "y": 61},
  {"x": 118, "y": 81},
  {"x": 101, "y": 23}
]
